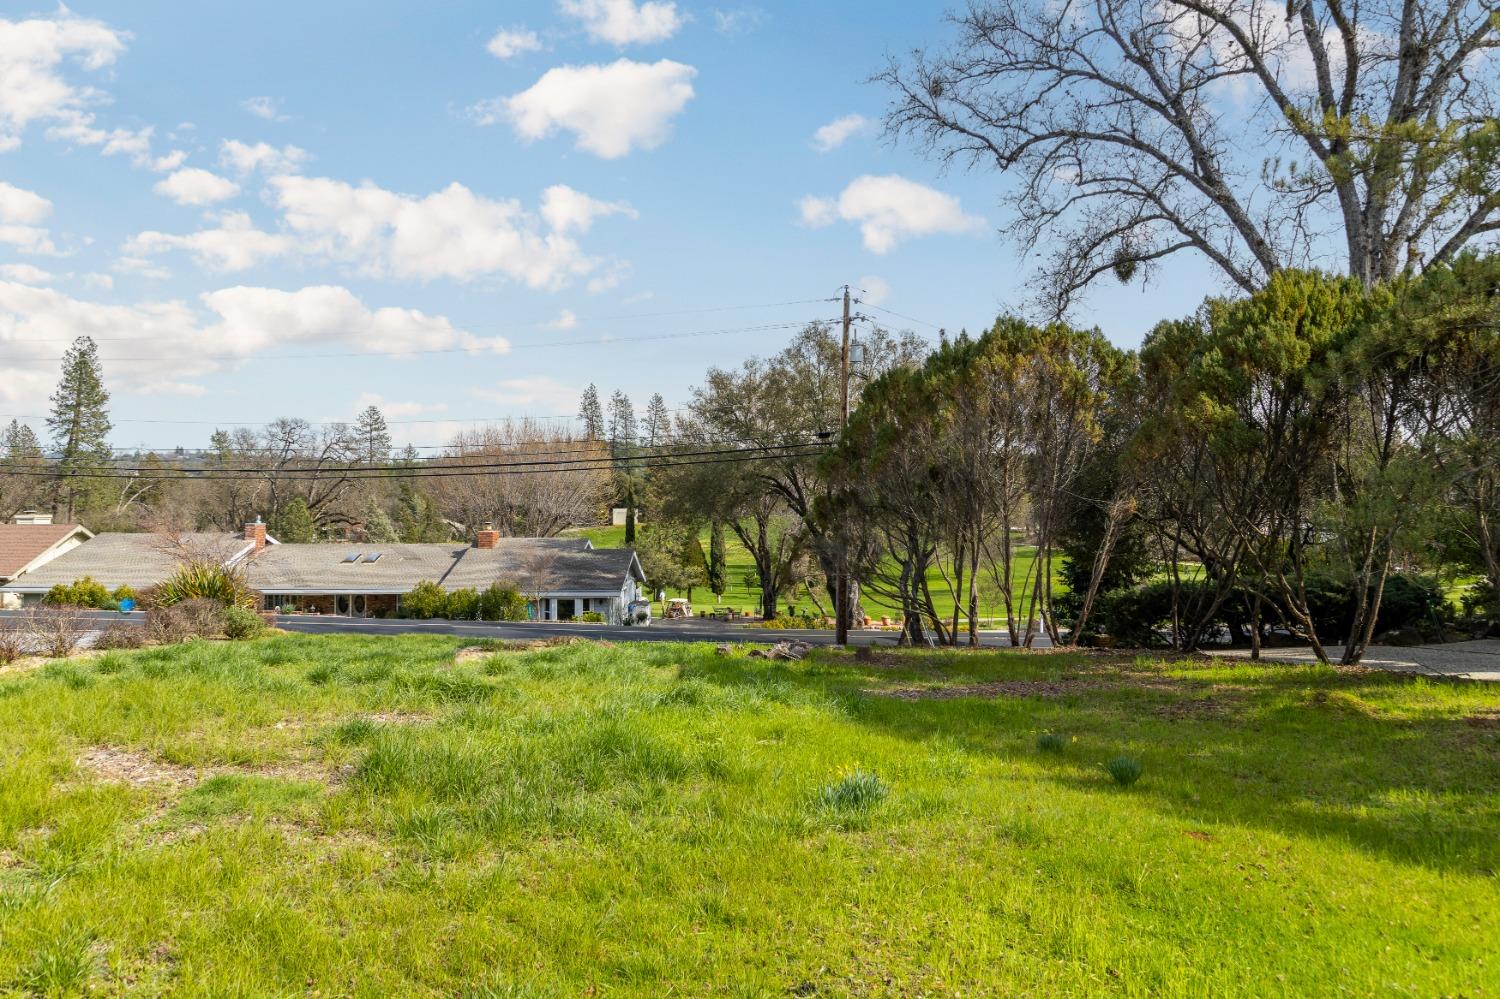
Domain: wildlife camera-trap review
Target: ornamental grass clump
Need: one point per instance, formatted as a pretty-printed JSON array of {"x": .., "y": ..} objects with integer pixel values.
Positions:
[
  {"x": 855, "y": 790},
  {"x": 204, "y": 581},
  {"x": 1051, "y": 742},
  {"x": 1125, "y": 770}
]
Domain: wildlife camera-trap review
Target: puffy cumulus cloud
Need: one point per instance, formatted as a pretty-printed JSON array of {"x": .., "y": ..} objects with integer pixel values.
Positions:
[
  {"x": 453, "y": 233},
  {"x": 840, "y": 130},
  {"x": 26, "y": 274},
  {"x": 171, "y": 161},
  {"x": 158, "y": 347},
  {"x": 21, "y": 206},
  {"x": 253, "y": 320},
  {"x": 889, "y": 209},
  {"x": 566, "y": 210},
  {"x": 566, "y": 320},
  {"x": 537, "y": 395},
  {"x": 610, "y": 109},
  {"x": 34, "y": 87},
  {"x": 624, "y": 22},
  {"x": 196, "y": 186},
  {"x": 235, "y": 245},
  {"x": 20, "y": 211},
  {"x": 244, "y": 158},
  {"x": 511, "y": 42}
]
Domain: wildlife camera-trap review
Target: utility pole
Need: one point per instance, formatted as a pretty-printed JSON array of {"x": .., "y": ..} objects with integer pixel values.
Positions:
[{"x": 841, "y": 601}]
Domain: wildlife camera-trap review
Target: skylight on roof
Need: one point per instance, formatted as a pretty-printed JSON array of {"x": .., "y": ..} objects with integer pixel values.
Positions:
[
  {"x": 372, "y": 557},
  {"x": 351, "y": 558}
]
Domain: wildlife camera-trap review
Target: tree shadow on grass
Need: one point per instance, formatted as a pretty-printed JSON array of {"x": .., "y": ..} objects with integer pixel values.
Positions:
[{"x": 1357, "y": 757}]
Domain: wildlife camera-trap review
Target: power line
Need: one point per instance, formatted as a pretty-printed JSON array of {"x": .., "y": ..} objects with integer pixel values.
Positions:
[{"x": 902, "y": 315}]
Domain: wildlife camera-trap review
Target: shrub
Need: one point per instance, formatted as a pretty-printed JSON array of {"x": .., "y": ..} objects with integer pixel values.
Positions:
[
  {"x": 85, "y": 592},
  {"x": 187, "y": 620},
  {"x": 502, "y": 602},
  {"x": 123, "y": 593},
  {"x": 462, "y": 605},
  {"x": 426, "y": 600},
  {"x": 856, "y": 791},
  {"x": 121, "y": 636},
  {"x": 204, "y": 580},
  {"x": 591, "y": 617},
  {"x": 1051, "y": 742},
  {"x": 1126, "y": 770},
  {"x": 1480, "y": 599},
  {"x": 54, "y": 631},
  {"x": 13, "y": 643},
  {"x": 241, "y": 623}
]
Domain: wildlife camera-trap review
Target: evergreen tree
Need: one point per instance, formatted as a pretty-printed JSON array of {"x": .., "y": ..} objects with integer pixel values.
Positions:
[
  {"x": 295, "y": 524},
  {"x": 19, "y": 443},
  {"x": 378, "y": 525},
  {"x": 372, "y": 437},
  {"x": 80, "y": 426},
  {"x": 623, "y": 436},
  {"x": 658, "y": 421},
  {"x": 417, "y": 517},
  {"x": 718, "y": 565},
  {"x": 591, "y": 414}
]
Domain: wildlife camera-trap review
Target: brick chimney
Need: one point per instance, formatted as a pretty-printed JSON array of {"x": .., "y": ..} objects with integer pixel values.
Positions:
[
  {"x": 487, "y": 538},
  {"x": 256, "y": 534}
]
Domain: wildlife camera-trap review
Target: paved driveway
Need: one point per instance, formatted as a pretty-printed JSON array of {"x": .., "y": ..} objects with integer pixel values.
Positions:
[{"x": 1477, "y": 660}]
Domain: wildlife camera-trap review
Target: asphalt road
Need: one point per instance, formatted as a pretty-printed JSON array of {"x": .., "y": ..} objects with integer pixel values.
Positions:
[{"x": 659, "y": 631}]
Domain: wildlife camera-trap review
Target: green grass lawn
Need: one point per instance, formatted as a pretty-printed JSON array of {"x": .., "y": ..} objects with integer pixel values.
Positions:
[
  {"x": 745, "y": 597},
  {"x": 367, "y": 816}
]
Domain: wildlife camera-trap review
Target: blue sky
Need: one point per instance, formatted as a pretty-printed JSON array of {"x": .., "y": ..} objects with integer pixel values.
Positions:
[{"x": 253, "y": 206}]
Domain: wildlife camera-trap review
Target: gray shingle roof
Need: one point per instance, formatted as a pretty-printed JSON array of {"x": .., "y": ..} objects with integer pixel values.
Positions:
[
  {"x": 535, "y": 565},
  {"x": 134, "y": 560}
]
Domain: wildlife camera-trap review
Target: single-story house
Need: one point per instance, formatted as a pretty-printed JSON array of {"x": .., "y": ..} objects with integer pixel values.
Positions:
[
  {"x": 30, "y": 543},
  {"x": 562, "y": 578}
]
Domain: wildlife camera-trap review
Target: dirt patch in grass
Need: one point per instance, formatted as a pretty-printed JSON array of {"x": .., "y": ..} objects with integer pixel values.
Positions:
[
  {"x": 1485, "y": 719},
  {"x": 122, "y": 766},
  {"x": 1046, "y": 689},
  {"x": 1194, "y": 709}
]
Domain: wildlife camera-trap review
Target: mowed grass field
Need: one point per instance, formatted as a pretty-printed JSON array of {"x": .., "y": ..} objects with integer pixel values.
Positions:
[
  {"x": 745, "y": 596},
  {"x": 371, "y": 816}
]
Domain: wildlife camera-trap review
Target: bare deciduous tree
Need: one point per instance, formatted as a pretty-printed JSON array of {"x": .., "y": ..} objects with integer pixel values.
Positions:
[
  {"x": 520, "y": 497},
  {"x": 1258, "y": 135}
]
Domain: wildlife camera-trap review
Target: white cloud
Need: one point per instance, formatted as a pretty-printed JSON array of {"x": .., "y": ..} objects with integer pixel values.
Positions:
[
  {"x": 243, "y": 158},
  {"x": 235, "y": 245},
  {"x": 21, "y": 206},
  {"x": 97, "y": 280},
  {"x": 26, "y": 274},
  {"x": 511, "y": 42},
  {"x": 453, "y": 233},
  {"x": 168, "y": 342},
  {"x": 611, "y": 109},
  {"x": 624, "y": 22},
  {"x": 33, "y": 88},
  {"x": 268, "y": 108},
  {"x": 837, "y": 132},
  {"x": 171, "y": 161},
  {"x": 738, "y": 20},
  {"x": 141, "y": 267},
  {"x": 29, "y": 239},
  {"x": 568, "y": 210},
  {"x": 78, "y": 127},
  {"x": 195, "y": 186},
  {"x": 537, "y": 395},
  {"x": 889, "y": 209},
  {"x": 396, "y": 410},
  {"x": 874, "y": 290},
  {"x": 565, "y": 320}
]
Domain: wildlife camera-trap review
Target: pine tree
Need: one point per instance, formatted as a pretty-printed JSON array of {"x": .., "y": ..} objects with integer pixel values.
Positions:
[
  {"x": 378, "y": 525},
  {"x": 622, "y": 427},
  {"x": 658, "y": 421},
  {"x": 718, "y": 568},
  {"x": 19, "y": 443},
  {"x": 591, "y": 415},
  {"x": 80, "y": 425},
  {"x": 622, "y": 441},
  {"x": 295, "y": 524},
  {"x": 372, "y": 437}
]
